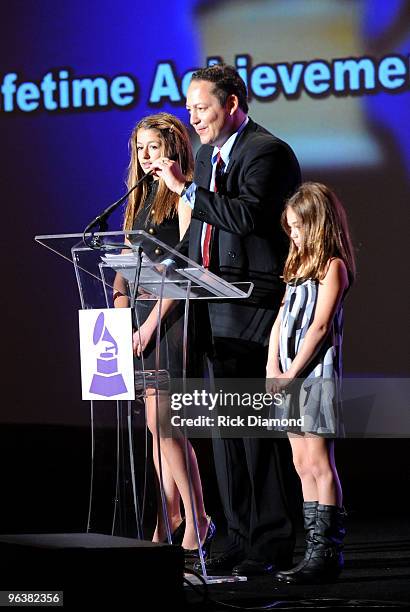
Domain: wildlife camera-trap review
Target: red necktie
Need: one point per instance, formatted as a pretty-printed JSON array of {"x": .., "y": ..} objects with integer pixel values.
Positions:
[{"x": 219, "y": 171}]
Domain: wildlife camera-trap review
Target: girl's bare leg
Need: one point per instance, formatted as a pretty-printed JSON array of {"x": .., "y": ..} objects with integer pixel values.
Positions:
[
  {"x": 172, "y": 497},
  {"x": 313, "y": 457},
  {"x": 173, "y": 450}
]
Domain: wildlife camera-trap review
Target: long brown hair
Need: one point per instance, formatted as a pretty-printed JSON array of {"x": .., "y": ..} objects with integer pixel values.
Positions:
[
  {"x": 325, "y": 233},
  {"x": 175, "y": 145}
]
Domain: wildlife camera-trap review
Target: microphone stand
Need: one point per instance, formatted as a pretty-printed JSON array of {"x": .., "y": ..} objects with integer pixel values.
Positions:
[{"x": 101, "y": 220}]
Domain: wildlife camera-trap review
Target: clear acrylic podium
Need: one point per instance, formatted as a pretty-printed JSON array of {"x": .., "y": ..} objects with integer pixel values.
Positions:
[{"x": 145, "y": 269}]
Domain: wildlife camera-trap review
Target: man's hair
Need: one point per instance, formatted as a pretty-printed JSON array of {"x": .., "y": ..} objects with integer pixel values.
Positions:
[{"x": 227, "y": 82}]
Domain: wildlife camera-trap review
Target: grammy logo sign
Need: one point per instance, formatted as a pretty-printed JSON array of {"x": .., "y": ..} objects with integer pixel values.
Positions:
[{"x": 107, "y": 366}]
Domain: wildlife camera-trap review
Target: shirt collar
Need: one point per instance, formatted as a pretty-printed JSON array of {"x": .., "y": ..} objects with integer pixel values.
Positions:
[{"x": 226, "y": 148}]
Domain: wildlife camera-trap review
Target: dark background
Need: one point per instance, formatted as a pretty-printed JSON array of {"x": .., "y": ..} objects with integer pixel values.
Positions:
[{"x": 60, "y": 169}]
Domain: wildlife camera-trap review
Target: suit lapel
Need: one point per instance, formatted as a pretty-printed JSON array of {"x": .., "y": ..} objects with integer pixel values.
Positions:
[
  {"x": 203, "y": 167},
  {"x": 239, "y": 144}
]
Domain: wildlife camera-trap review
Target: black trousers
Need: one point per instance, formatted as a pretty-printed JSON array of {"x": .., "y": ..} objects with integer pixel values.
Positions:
[{"x": 249, "y": 470}]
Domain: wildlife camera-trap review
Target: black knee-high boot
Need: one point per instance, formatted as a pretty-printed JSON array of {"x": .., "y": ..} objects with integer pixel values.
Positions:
[
  {"x": 323, "y": 560},
  {"x": 309, "y": 523}
]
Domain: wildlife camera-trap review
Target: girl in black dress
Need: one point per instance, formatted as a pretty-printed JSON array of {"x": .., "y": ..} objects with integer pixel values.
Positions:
[{"x": 152, "y": 207}]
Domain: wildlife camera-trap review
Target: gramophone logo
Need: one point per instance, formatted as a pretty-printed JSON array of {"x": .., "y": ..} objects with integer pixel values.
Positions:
[
  {"x": 107, "y": 370},
  {"x": 107, "y": 380}
]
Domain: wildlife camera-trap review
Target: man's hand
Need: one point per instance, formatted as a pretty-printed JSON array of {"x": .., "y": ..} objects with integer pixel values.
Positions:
[{"x": 171, "y": 173}]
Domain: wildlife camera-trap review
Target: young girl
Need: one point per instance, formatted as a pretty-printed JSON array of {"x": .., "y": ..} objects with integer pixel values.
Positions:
[
  {"x": 305, "y": 363},
  {"x": 157, "y": 210}
]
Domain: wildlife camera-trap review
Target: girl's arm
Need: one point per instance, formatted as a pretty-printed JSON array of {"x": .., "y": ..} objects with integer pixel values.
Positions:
[
  {"x": 272, "y": 367},
  {"x": 142, "y": 337},
  {"x": 330, "y": 293},
  {"x": 147, "y": 329},
  {"x": 120, "y": 294}
]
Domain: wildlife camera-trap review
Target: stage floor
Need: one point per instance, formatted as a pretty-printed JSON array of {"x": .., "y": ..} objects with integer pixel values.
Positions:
[{"x": 376, "y": 574}]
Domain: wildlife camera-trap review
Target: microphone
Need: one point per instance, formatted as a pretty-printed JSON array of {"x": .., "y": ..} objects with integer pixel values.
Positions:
[{"x": 101, "y": 219}]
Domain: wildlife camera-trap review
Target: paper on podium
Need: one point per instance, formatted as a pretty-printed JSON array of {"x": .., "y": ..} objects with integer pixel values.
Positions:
[
  {"x": 214, "y": 284},
  {"x": 128, "y": 263},
  {"x": 151, "y": 275}
]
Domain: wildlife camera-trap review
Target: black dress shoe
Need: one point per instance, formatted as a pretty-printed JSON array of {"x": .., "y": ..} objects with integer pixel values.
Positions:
[
  {"x": 193, "y": 553},
  {"x": 177, "y": 535},
  {"x": 252, "y": 567},
  {"x": 220, "y": 564}
]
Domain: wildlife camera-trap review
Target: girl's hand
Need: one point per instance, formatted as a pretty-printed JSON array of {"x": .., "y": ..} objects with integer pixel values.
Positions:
[
  {"x": 272, "y": 371},
  {"x": 141, "y": 338},
  {"x": 277, "y": 383}
]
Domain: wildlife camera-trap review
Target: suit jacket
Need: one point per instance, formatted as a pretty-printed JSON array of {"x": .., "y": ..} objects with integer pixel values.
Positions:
[{"x": 248, "y": 243}]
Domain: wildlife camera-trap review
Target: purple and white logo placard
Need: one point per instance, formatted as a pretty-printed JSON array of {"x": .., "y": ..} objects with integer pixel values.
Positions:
[{"x": 107, "y": 363}]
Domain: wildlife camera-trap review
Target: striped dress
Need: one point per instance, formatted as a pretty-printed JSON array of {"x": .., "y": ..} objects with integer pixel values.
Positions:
[{"x": 316, "y": 394}]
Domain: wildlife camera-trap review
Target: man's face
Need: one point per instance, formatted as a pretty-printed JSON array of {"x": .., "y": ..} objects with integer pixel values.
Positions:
[{"x": 212, "y": 122}]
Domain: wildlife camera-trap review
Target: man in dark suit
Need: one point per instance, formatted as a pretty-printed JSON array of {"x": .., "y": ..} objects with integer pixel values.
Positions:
[{"x": 243, "y": 175}]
